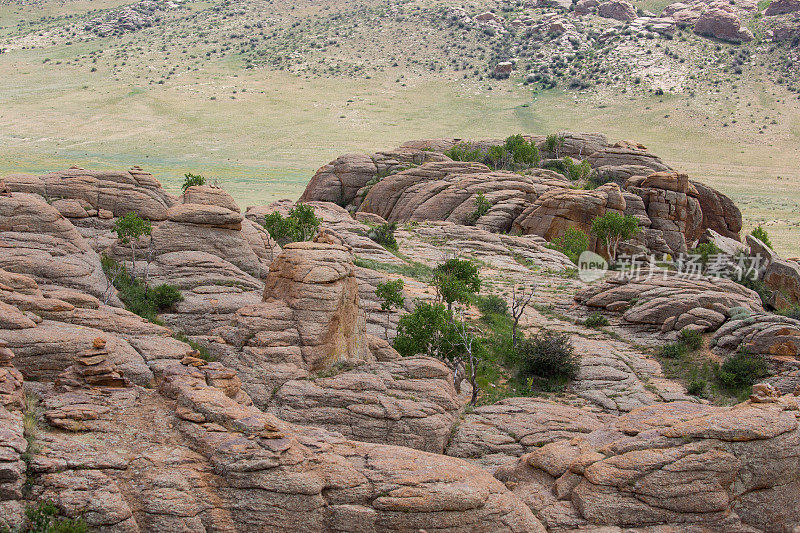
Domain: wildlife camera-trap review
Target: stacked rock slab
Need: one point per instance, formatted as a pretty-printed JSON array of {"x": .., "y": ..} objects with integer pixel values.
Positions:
[
  {"x": 12, "y": 441},
  {"x": 677, "y": 465},
  {"x": 669, "y": 301},
  {"x": 92, "y": 369},
  {"x": 309, "y": 320}
]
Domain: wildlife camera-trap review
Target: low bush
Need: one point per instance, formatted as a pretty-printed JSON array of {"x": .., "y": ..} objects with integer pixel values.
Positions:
[
  {"x": 45, "y": 517},
  {"x": 697, "y": 387},
  {"x": 705, "y": 251},
  {"x": 692, "y": 339},
  {"x": 548, "y": 358},
  {"x": 491, "y": 305},
  {"x": 138, "y": 298},
  {"x": 383, "y": 234},
  {"x": 742, "y": 369},
  {"x": 572, "y": 244},
  {"x": 595, "y": 320},
  {"x": 300, "y": 225},
  {"x": 761, "y": 234},
  {"x": 791, "y": 312},
  {"x": 191, "y": 180},
  {"x": 482, "y": 206},
  {"x": 675, "y": 350}
]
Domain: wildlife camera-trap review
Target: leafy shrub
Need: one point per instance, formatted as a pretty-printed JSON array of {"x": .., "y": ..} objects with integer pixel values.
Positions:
[
  {"x": 595, "y": 320},
  {"x": 705, "y": 251},
  {"x": 524, "y": 154},
  {"x": 791, "y": 312},
  {"x": 553, "y": 143},
  {"x": 300, "y": 225},
  {"x": 612, "y": 228},
  {"x": 761, "y": 234},
  {"x": 383, "y": 234},
  {"x": 742, "y": 369},
  {"x": 465, "y": 152},
  {"x": 692, "y": 339},
  {"x": 492, "y": 305},
  {"x": 674, "y": 351},
  {"x": 697, "y": 387},
  {"x": 739, "y": 313},
  {"x": 47, "y": 518},
  {"x": 572, "y": 244},
  {"x": 548, "y": 355},
  {"x": 482, "y": 206},
  {"x": 190, "y": 180},
  {"x": 136, "y": 295},
  {"x": 428, "y": 330}
]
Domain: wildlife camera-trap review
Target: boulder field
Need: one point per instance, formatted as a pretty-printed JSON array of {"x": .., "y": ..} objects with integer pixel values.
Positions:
[{"x": 270, "y": 397}]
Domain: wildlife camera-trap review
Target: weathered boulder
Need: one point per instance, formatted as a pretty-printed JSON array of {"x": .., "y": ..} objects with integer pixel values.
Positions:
[
  {"x": 721, "y": 22},
  {"x": 719, "y": 212},
  {"x": 340, "y": 180},
  {"x": 557, "y": 210},
  {"x": 671, "y": 465},
  {"x": 118, "y": 192},
  {"x": 447, "y": 191},
  {"x": 773, "y": 336},
  {"x": 408, "y": 402},
  {"x": 38, "y": 241},
  {"x": 781, "y": 7},
  {"x": 622, "y": 153},
  {"x": 783, "y": 277},
  {"x": 671, "y": 301},
  {"x": 621, "y": 10},
  {"x": 309, "y": 320},
  {"x": 671, "y": 205}
]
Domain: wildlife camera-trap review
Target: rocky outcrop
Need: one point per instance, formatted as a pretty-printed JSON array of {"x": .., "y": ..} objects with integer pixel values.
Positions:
[
  {"x": 12, "y": 444},
  {"x": 733, "y": 469},
  {"x": 309, "y": 320},
  {"x": 556, "y": 211},
  {"x": 447, "y": 191},
  {"x": 117, "y": 192},
  {"x": 671, "y": 205},
  {"x": 621, "y": 10},
  {"x": 783, "y": 277},
  {"x": 408, "y": 402},
  {"x": 497, "y": 434},
  {"x": 719, "y": 212},
  {"x": 721, "y": 22},
  {"x": 38, "y": 241},
  {"x": 781, "y": 7},
  {"x": 670, "y": 301},
  {"x": 772, "y": 336},
  {"x": 339, "y": 181}
]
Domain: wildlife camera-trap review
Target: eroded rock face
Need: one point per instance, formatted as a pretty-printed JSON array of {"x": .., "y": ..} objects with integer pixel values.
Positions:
[
  {"x": 309, "y": 320},
  {"x": 447, "y": 191},
  {"x": 773, "y": 336},
  {"x": 407, "y": 402},
  {"x": 679, "y": 463},
  {"x": 784, "y": 277},
  {"x": 12, "y": 443},
  {"x": 38, "y": 241},
  {"x": 118, "y": 192},
  {"x": 496, "y": 434},
  {"x": 617, "y": 9},
  {"x": 781, "y": 7},
  {"x": 719, "y": 212},
  {"x": 669, "y": 301}
]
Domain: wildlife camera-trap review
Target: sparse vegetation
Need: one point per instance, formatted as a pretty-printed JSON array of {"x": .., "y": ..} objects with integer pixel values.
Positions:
[
  {"x": 138, "y": 298},
  {"x": 383, "y": 234},
  {"x": 390, "y": 294},
  {"x": 546, "y": 360},
  {"x": 482, "y": 206},
  {"x": 761, "y": 234},
  {"x": 192, "y": 180},
  {"x": 46, "y": 517},
  {"x": 595, "y": 320}
]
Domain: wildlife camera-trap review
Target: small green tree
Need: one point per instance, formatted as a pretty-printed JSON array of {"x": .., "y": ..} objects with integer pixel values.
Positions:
[
  {"x": 524, "y": 153},
  {"x": 482, "y": 206},
  {"x": 612, "y": 228},
  {"x": 129, "y": 230},
  {"x": 761, "y": 234},
  {"x": 391, "y": 296},
  {"x": 190, "y": 180},
  {"x": 428, "y": 330},
  {"x": 553, "y": 144},
  {"x": 572, "y": 244},
  {"x": 305, "y": 221},
  {"x": 456, "y": 280},
  {"x": 300, "y": 225}
]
